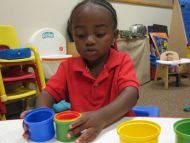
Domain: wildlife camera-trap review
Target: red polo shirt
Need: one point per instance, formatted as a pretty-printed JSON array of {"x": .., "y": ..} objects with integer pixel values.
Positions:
[{"x": 74, "y": 83}]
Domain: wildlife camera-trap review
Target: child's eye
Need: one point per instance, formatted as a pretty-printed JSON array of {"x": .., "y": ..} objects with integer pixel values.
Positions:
[
  {"x": 80, "y": 35},
  {"x": 100, "y": 35}
]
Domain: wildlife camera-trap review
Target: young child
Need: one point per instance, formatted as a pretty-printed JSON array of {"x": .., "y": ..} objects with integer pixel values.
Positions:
[{"x": 101, "y": 83}]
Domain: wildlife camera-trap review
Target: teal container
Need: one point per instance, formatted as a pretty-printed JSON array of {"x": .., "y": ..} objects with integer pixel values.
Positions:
[
  {"x": 62, "y": 122},
  {"x": 182, "y": 131}
]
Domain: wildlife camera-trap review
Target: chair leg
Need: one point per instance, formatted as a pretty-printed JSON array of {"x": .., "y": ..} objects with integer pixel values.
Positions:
[
  {"x": 157, "y": 75},
  {"x": 26, "y": 104},
  {"x": 2, "y": 117},
  {"x": 162, "y": 72},
  {"x": 165, "y": 75},
  {"x": 178, "y": 77},
  {"x": 39, "y": 66},
  {"x": 188, "y": 71},
  {"x": 29, "y": 103}
]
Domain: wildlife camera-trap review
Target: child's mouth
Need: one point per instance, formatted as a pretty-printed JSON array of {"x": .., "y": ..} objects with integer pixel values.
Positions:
[{"x": 91, "y": 52}]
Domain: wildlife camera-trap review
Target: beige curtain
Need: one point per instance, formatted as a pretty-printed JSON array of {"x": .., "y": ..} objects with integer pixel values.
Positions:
[{"x": 138, "y": 49}]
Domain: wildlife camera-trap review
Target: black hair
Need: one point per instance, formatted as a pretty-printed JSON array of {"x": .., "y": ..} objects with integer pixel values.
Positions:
[{"x": 103, "y": 3}]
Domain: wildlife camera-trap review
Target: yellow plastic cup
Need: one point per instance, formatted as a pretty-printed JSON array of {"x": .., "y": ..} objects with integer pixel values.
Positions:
[{"x": 138, "y": 131}]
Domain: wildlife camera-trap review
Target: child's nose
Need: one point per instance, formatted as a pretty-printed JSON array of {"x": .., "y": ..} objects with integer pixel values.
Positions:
[{"x": 90, "y": 40}]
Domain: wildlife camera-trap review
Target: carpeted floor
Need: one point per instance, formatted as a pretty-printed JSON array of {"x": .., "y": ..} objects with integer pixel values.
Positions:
[{"x": 171, "y": 101}]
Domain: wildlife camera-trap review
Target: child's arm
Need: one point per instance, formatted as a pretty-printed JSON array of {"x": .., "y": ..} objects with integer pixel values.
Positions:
[
  {"x": 44, "y": 99},
  {"x": 120, "y": 106},
  {"x": 91, "y": 123}
]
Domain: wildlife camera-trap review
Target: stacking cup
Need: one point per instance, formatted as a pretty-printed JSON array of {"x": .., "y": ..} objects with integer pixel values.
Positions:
[
  {"x": 62, "y": 121},
  {"x": 40, "y": 124},
  {"x": 138, "y": 131},
  {"x": 182, "y": 131}
]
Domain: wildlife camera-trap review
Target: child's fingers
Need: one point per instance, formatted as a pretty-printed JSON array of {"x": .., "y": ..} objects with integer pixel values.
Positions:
[
  {"x": 24, "y": 127},
  {"x": 26, "y": 135},
  {"x": 76, "y": 131},
  {"x": 87, "y": 136},
  {"x": 22, "y": 115},
  {"x": 77, "y": 123},
  {"x": 77, "y": 128}
]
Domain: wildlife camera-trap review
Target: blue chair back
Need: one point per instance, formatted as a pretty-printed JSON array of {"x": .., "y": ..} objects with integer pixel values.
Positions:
[{"x": 152, "y": 111}]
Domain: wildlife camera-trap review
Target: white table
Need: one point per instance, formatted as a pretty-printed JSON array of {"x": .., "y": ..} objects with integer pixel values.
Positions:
[{"x": 11, "y": 131}]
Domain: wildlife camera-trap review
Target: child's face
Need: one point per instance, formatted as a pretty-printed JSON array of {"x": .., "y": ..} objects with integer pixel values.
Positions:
[{"x": 93, "y": 32}]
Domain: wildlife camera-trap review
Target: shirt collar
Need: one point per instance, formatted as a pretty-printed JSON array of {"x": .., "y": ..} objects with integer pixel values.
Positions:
[{"x": 113, "y": 60}]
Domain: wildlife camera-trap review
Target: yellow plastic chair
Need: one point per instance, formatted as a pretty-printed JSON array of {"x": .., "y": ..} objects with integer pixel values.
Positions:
[{"x": 8, "y": 37}]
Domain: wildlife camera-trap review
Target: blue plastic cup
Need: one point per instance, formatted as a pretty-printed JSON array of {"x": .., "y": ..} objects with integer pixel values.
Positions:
[{"x": 40, "y": 124}]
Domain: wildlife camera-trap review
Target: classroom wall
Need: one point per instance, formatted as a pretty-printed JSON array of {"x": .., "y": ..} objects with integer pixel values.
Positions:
[{"x": 30, "y": 15}]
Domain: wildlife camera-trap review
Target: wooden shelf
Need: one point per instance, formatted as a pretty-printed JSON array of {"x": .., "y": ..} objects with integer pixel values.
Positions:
[{"x": 154, "y": 3}]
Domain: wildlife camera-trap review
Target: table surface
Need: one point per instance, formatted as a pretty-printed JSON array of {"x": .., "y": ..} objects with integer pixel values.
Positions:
[{"x": 11, "y": 131}]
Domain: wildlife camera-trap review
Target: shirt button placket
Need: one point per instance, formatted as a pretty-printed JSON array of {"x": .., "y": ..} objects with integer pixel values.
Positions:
[
  {"x": 95, "y": 89},
  {"x": 96, "y": 85}
]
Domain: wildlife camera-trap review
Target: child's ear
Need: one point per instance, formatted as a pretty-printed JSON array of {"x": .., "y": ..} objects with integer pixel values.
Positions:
[{"x": 116, "y": 34}]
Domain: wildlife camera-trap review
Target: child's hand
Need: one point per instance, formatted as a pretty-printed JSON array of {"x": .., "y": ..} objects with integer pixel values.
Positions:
[
  {"x": 25, "y": 134},
  {"x": 89, "y": 125}
]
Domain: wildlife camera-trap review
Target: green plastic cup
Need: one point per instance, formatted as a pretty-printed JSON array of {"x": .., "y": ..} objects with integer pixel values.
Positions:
[
  {"x": 62, "y": 122},
  {"x": 182, "y": 131}
]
